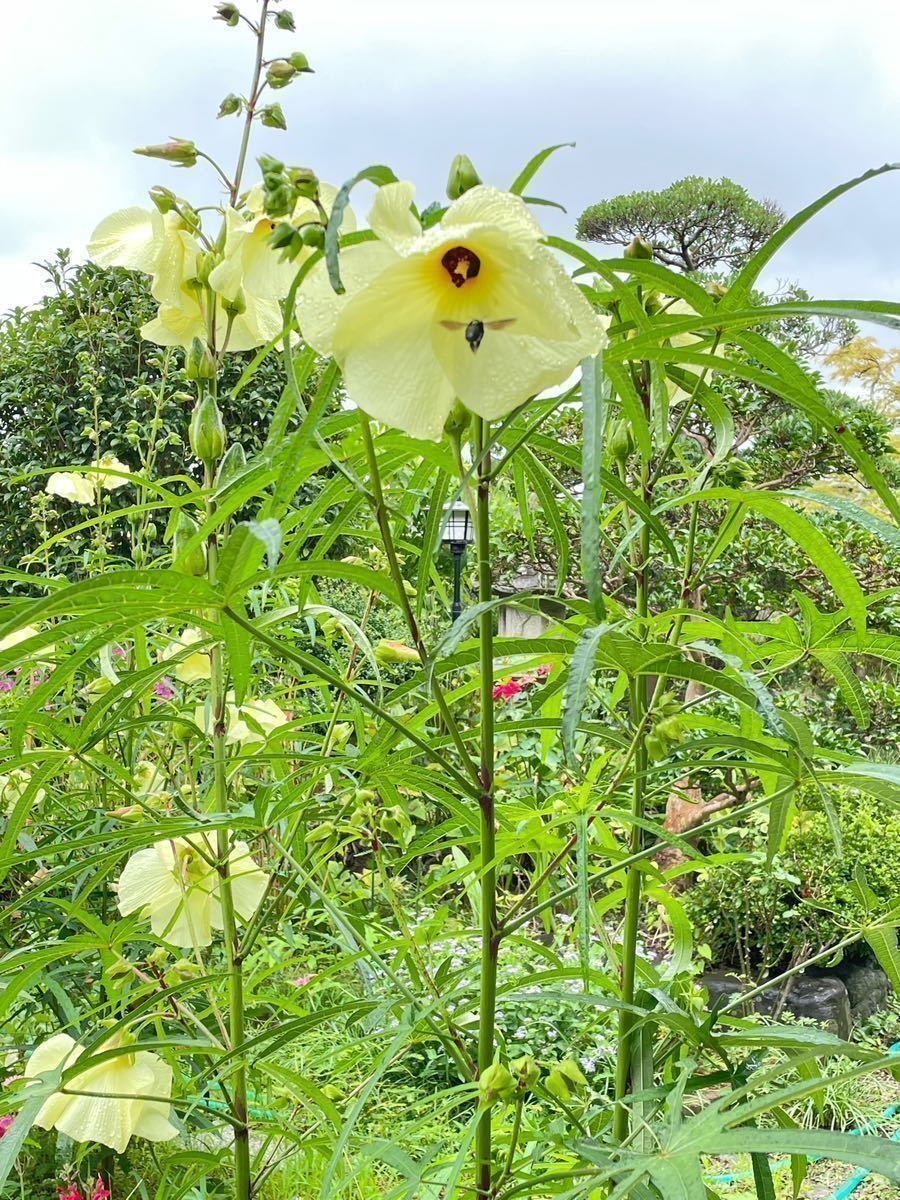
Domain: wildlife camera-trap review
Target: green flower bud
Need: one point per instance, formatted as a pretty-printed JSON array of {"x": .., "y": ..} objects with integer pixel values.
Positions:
[
  {"x": 320, "y": 833},
  {"x": 565, "y": 1080},
  {"x": 199, "y": 362},
  {"x": 639, "y": 248},
  {"x": 235, "y": 307},
  {"x": 179, "y": 151},
  {"x": 462, "y": 176},
  {"x": 183, "y": 732},
  {"x": 285, "y": 20},
  {"x": 164, "y": 199},
  {"x": 621, "y": 443},
  {"x": 194, "y": 563},
  {"x": 181, "y": 971},
  {"x": 206, "y": 431},
  {"x": 280, "y": 73},
  {"x": 458, "y": 420},
  {"x": 232, "y": 465},
  {"x": 331, "y": 1092},
  {"x": 158, "y": 957},
  {"x": 128, "y": 812},
  {"x": 305, "y": 181},
  {"x": 526, "y": 1071},
  {"x": 313, "y": 234},
  {"x": 229, "y": 13},
  {"x": 300, "y": 63},
  {"x": 151, "y": 531},
  {"x": 230, "y": 105},
  {"x": 272, "y": 117},
  {"x": 495, "y": 1084},
  {"x": 395, "y": 652}
]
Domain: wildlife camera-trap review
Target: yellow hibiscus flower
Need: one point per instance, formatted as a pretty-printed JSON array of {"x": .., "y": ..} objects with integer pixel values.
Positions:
[
  {"x": 129, "y": 1095},
  {"x": 476, "y": 308},
  {"x": 194, "y": 666},
  {"x": 174, "y": 885},
  {"x": 71, "y": 486},
  {"x": 141, "y": 239}
]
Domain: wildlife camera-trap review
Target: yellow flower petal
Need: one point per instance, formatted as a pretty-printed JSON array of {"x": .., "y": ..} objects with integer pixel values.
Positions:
[
  {"x": 128, "y": 238},
  {"x": 483, "y": 205},
  {"x": 319, "y": 306},
  {"x": 70, "y": 486},
  {"x": 390, "y": 216}
]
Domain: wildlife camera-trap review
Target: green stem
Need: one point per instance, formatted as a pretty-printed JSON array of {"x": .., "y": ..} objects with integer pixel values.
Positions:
[
  {"x": 490, "y": 941},
  {"x": 233, "y": 953},
  {"x": 634, "y": 876},
  {"x": 252, "y": 100}
]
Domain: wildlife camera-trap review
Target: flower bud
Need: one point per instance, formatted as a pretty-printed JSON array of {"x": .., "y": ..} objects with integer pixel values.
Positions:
[
  {"x": 300, "y": 63},
  {"x": 194, "y": 563},
  {"x": 458, "y": 421},
  {"x": 272, "y": 117},
  {"x": 229, "y": 13},
  {"x": 313, "y": 234},
  {"x": 305, "y": 182},
  {"x": 199, "y": 363},
  {"x": 395, "y": 652},
  {"x": 164, "y": 199},
  {"x": 181, "y": 971},
  {"x": 236, "y": 306},
  {"x": 119, "y": 968},
  {"x": 462, "y": 176},
  {"x": 285, "y": 20},
  {"x": 158, "y": 957},
  {"x": 206, "y": 431},
  {"x": 525, "y": 1071},
  {"x": 639, "y": 248},
  {"x": 230, "y": 105},
  {"x": 495, "y": 1084},
  {"x": 128, "y": 812},
  {"x": 179, "y": 151},
  {"x": 621, "y": 443},
  {"x": 232, "y": 465},
  {"x": 280, "y": 73}
]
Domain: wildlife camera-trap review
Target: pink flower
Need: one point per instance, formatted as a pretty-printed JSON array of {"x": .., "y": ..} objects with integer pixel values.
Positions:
[
  {"x": 163, "y": 689},
  {"x": 120, "y": 652},
  {"x": 70, "y": 1192},
  {"x": 302, "y": 980},
  {"x": 507, "y": 689},
  {"x": 6, "y": 1123},
  {"x": 7, "y": 683},
  {"x": 544, "y": 670},
  {"x": 101, "y": 1191}
]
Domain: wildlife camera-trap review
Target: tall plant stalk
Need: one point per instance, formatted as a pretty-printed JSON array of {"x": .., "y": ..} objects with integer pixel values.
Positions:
[
  {"x": 490, "y": 935},
  {"x": 233, "y": 952},
  {"x": 634, "y": 874}
]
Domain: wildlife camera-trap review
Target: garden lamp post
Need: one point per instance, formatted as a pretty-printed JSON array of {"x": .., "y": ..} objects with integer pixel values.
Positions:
[{"x": 458, "y": 533}]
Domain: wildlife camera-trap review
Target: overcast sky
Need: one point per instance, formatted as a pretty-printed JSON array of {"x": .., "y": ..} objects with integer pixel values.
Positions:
[{"x": 787, "y": 98}]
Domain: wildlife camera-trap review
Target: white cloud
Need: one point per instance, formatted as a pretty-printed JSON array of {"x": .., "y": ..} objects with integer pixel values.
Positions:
[{"x": 788, "y": 98}]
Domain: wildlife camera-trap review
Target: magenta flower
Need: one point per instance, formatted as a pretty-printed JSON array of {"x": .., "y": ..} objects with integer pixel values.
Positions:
[
  {"x": 302, "y": 980},
  {"x": 6, "y": 1123},
  {"x": 7, "y": 683},
  {"x": 507, "y": 689},
  {"x": 100, "y": 1191},
  {"x": 163, "y": 689}
]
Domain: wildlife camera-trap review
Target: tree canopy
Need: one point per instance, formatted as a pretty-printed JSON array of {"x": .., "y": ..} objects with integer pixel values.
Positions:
[{"x": 694, "y": 224}]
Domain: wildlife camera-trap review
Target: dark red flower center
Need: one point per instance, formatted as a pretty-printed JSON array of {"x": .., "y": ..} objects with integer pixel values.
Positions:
[{"x": 461, "y": 264}]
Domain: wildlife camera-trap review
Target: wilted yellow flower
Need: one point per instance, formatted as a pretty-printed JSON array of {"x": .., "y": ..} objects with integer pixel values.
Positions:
[
  {"x": 129, "y": 1095},
  {"x": 476, "y": 308},
  {"x": 150, "y": 783},
  {"x": 194, "y": 666},
  {"x": 71, "y": 486},
  {"x": 175, "y": 885}
]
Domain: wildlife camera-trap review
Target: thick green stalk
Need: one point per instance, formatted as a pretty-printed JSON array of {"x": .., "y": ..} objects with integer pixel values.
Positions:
[
  {"x": 233, "y": 955},
  {"x": 490, "y": 940},
  {"x": 634, "y": 876}
]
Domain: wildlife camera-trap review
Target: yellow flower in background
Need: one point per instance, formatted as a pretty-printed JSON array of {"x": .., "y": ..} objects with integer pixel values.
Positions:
[
  {"x": 161, "y": 246},
  {"x": 681, "y": 308},
  {"x": 179, "y": 324},
  {"x": 242, "y": 722},
  {"x": 13, "y": 786},
  {"x": 18, "y": 635},
  {"x": 108, "y": 1115},
  {"x": 71, "y": 486},
  {"x": 475, "y": 308},
  {"x": 173, "y": 884},
  {"x": 104, "y": 476},
  {"x": 193, "y": 666},
  {"x": 150, "y": 783}
]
